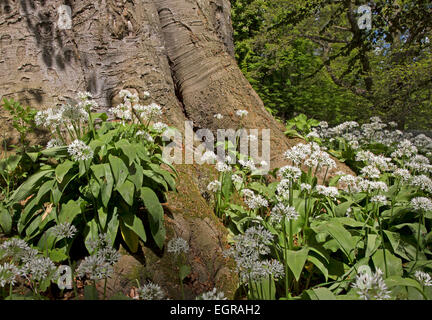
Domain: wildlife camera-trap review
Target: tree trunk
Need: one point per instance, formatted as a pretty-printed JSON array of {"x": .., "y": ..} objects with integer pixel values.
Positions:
[{"x": 181, "y": 51}]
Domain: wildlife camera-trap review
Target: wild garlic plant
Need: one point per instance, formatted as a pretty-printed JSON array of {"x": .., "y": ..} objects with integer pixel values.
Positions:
[
  {"x": 25, "y": 263},
  {"x": 179, "y": 247},
  {"x": 375, "y": 217}
]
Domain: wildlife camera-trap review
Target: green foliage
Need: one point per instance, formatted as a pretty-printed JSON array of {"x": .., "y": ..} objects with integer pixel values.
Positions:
[
  {"x": 310, "y": 57},
  {"x": 22, "y": 118}
]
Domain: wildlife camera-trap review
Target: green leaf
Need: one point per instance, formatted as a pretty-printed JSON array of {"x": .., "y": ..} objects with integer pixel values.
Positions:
[
  {"x": 119, "y": 169},
  {"x": 130, "y": 237},
  {"x": 296, "y": 261},
  {"x": 58, "y": 254},
  {"x": 134, "y": 223},
  {"x": 69, "y": 211},
  {"x": 373, "y": 243},
  {"x": 128, "y": 150},
  {"x": 184, "y": 271},
  {"x": 91, "y": 233},
  {"x": 113, "y": 226},
  {"x": 127, "y": 191},
  {"x": 342, "y": 236},
  {"x": 30, "y": 185},
  {"x": 5, "y": 220},
  {"x": 90, "y": 293},
  {"x": 155, "y": 210},
  {"x": 394, "y": 264},
  {"x": 320, "y": 294}
]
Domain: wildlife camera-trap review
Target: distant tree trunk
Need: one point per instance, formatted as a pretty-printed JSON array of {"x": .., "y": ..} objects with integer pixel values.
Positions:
[{"x": 181, "y": 51}]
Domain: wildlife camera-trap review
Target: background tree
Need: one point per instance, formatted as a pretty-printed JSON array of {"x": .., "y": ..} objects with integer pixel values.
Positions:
[{"x": 312, "y": 56}]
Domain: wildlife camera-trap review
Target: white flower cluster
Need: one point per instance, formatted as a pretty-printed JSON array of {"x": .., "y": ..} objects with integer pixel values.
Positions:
[
  {"x": 248, "y": 164},
  {"x": 150, "y": 291},
  {"x": 8, "y": 274},
  {"x": 212, "y": 295},
  {"x": 247, "y": 251},
  {"x": 421, "y": 204},
  {"x": 214, "y": 186},
  {"x": 33, "y": 266},
  {"x": 289, "y": 172},
  {"x": 311, "y": 155},
  {"x": 371, "y": 286},
  {"x": 100, "y": 264},
  {"x": 178, "y": 245},
  {"x": 331, "y": 192},
  {"x": 242, "y": 113},
  {"x": 424, "y": 278},
  {"x": 64, "y": 230},
  {"x": 79, "y": 151},
  {"x": 254, "y": 201},
  {"x": 281, "y": 211}
]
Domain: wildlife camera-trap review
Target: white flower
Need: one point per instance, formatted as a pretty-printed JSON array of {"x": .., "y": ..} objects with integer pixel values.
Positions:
[
  {"x": 281, "y": 210},
  {"x": 421, "y": 204},
  {"x": 178, "y": 245},
  {"x": 218, "y": 116},
  {"x": 289, "y": 172},
  {"x": 39, "y": 269},
  {"x": 252, "y": 200},
  {"x": 78, "y": 150},
  {"x": 84, "y": 96},
  {"x": 53, "y": 143},
  {"x": 212, "y": 295},
  {"x": 370, "y": 172},
  {"x": 241, "y": 113},
  {"x": 423, "y": 182},
  {"x": 208, "y": 157},
  {"x": 371, "y": 286},
  {"x": 64, "y": 230},
  {"x": 214, "y": 186},
  {"x": 305, "y": 187},
  {"x": 236, "y": 178},
  {"x": 380, "y": 199},
  {"x": 249, "y": 164},
  {"x": 160, "y": 126},
  {"x": 95, "y": 267},
  {"x": 424, "y": 278},
  {"x": 150, "y": 291},
  {"x": 8, "y": 274},
  {"x": 145, "y": 135},
  {"x": 146, "y": 94},
  {"x": 122, "y": 112},
  {"x": 331, "y": 192},
  {"x": 222, "y": 167}
]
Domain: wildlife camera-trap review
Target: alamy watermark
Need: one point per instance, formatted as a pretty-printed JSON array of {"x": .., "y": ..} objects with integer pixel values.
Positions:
[{"x": 225, "y": 145}]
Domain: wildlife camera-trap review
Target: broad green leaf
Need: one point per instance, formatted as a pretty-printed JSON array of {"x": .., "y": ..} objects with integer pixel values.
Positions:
[
  {"x": 119, "y": 169},
  {"x": 90, "y": 293},
  {"x": 91, "y": 233},
  {"x": 184, "y": 271},
  {"x": 128, "y": 150},
  {"x": 113, "y": 225},
  {"x": 296, "y": 261},
  {"x": 320, "y": 294},
  {"x": 58, "y": 254},
  {"x": 342, "y": 236},
  {"x": 30, "y": 185},
  {"x": 130, "y": 237},
  {"x": 133, "y": 222},
  {"x": 5, "y": 220},
  {"x": 373, "y": 243},
  {"x": 155, "y": 210},
  {"x": 136, "y": 175},
  {"x": 69, "y": 211},
  {"x": 394, "y": 264},
  {"x": 127, "y": 191},
  {"x": 62, "y": 169}
]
